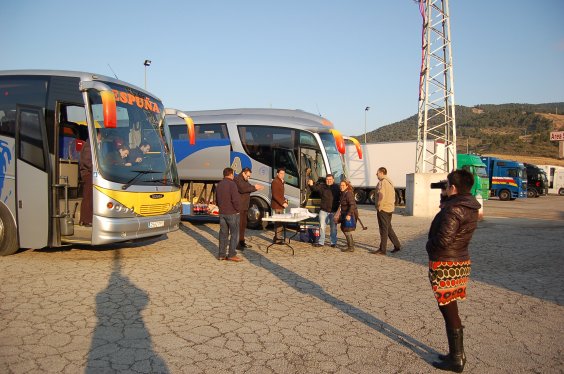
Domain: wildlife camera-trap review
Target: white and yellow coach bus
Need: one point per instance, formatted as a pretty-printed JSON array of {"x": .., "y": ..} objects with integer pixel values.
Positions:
[{"x": 46, "y": 119}]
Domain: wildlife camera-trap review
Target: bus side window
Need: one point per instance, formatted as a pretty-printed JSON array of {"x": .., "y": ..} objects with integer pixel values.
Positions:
[{"x": 8, "y": 123}]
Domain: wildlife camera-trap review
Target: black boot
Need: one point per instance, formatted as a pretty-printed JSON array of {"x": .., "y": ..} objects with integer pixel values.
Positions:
[
  {"x": 456, "y": 359},
  {"x": 350, "y": 243}
]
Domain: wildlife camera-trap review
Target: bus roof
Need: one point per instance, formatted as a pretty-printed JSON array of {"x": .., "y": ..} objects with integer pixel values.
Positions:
[
  {"x": 268, "y": 116},
  {"x": 77, "y": 74}
]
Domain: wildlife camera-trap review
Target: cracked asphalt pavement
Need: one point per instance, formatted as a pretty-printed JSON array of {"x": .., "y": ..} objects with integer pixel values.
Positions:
[{"x": 169, "y": 306}]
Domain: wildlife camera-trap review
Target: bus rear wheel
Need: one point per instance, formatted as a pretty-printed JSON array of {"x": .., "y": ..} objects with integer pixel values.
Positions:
[
  {"x": 8, "y": 234},
  {"x": 561, "y": 192},
  {"x": 504, "y": 195},
  {"x": 257, "y": 207}
]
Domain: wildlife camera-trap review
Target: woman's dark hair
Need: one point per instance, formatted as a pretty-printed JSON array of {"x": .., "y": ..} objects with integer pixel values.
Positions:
[{"x": 462, "y": 179}]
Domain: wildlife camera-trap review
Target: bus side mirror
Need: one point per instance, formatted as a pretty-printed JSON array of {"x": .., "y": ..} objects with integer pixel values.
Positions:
[
  {"x": 357, "y": 146},
  {"x": 339, "y": 141},
  {"x": 109, "y": 109},
  {"x": 187, "y": 119}
]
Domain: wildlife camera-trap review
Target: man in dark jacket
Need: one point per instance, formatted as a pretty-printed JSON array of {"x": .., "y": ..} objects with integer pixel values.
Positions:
[
  {"x": 245, "y": 189},
  {"x": 330, "y": 195},
  {"x": 449, "y": 260},
  {"x": 278, "y": 201},
  {"x": 228, "y": 201}
]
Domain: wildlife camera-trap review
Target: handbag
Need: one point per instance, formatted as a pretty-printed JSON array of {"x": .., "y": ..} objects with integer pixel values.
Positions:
[{"x": 349, "y": 225}]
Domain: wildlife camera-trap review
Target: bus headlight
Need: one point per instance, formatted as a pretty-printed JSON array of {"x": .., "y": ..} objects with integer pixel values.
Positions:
[
  {"x": 116, "y": 209},
  {"x": 176, "y": 208}
]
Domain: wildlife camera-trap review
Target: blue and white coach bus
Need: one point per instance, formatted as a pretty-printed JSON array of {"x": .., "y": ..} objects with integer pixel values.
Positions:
[
  {"x": 263, "y": 140},
  {"x": 46, "y": 117}
]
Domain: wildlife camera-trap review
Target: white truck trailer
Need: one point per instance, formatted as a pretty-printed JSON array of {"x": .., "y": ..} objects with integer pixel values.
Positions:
[
  {"x": 555, "y": 175},
  {"x": 397, "y": 157}
]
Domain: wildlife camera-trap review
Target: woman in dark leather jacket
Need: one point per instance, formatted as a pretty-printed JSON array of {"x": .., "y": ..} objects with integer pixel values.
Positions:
[
  {"x": 449, "y": 260},
  {"x": 347, "y": 212}
]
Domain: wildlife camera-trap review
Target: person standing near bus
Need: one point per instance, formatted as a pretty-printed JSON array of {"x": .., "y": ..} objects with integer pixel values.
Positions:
[
  {"x": 449, "y": 260},
  {"x": 347, "y": 214},
  {"x": 85, "y": 167},
  {"x": 228, "y": 202},
  {"x": 330, "y": 194},
  {"x": 245, "y": 189},
  {"x": 278, "y": 201},
  {"x": 385, "y": 205}
]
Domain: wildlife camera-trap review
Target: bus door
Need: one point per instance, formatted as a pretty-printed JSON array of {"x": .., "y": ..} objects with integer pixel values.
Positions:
[
  {"x": 287, "y": 159},
  {"x": 32, "y": 178}
]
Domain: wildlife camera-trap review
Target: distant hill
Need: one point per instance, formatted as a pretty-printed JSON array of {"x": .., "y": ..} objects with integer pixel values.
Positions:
[{"x": 506, "y": 129}]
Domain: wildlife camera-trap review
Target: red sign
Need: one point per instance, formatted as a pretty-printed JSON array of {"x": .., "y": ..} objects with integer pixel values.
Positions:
[{"x": 557, "y": 135}]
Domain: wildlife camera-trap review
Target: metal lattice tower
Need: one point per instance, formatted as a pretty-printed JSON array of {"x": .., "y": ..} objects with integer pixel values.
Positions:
[{"x": 436, "y": 118}]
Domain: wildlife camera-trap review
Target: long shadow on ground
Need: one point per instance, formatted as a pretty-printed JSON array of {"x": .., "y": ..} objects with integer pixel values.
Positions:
[{"x": 308, "y": 287}]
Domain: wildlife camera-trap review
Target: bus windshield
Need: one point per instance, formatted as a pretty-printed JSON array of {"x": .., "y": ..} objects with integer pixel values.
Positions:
[
  {"x": 136, "y": 150},
  {"x": 335, "y": 159}
]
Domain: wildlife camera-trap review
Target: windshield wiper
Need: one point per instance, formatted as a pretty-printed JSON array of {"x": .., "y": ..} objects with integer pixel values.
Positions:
[{"x": 139, "y": 173}]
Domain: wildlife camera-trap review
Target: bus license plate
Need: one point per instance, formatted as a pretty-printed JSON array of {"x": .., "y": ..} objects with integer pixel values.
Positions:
[{"x": 155, "y": 224}]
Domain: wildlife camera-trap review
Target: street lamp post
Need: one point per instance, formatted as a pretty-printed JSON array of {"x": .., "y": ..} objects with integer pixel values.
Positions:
[
  {"x": 146, "y": 63},
  {"x": 365, "y": 112}
]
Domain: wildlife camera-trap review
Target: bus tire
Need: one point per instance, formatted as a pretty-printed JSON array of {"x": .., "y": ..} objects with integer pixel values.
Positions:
[
  {"x": 504, "y": 195},
  {"x": 359, "y": 195},
  {"x": 561, "y": 192},
  {"x": 372, "y": 197},
  {"x": 8, "y": 233},
  {"x": 257, "y": 207}
]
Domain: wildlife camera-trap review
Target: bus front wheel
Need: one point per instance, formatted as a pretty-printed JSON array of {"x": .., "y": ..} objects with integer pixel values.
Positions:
[
  {"x": 257, "y": 207},
  {"x": 8, "y": 234},
  {"x": 504, "y": 195},
  {"x": 561, "y": 192}
]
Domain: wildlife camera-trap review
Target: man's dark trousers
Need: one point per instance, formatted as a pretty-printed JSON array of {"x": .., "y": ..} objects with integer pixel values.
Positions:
[
  {"x": 242, "y": 225},
  {"x": 386, "y": 230},
  {"x": 228, "y": 225}
]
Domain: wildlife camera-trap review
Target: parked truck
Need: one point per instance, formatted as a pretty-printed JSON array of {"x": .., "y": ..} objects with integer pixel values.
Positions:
[
  {"x": 362, "y": 172},
  {"x": 397, "y": 157},
  {"x": 537, "y": 182},
  {"x": 508, "y": 179},
  {"x": 555, "y": 176},
  {"x": 474, "y": 165}
]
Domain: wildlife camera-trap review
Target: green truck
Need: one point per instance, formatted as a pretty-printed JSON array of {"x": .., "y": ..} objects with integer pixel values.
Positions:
[{"x": 474, "y": 165}]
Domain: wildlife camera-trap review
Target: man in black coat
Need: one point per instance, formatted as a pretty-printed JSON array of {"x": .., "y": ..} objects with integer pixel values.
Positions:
[
  {"x": 245, "y": 189},
  {"x": 330, "y": 195},
  {"x": 228, "y": 199}
]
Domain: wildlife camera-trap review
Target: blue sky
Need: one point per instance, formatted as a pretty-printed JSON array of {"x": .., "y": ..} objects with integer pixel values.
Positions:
[{"x": 328, "y": 57}]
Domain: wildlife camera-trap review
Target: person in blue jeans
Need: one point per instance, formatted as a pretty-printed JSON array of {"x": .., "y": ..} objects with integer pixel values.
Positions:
[{"x": 330, "y": 195}]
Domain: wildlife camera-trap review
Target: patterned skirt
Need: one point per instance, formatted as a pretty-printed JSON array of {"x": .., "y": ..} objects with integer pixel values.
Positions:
[{"x": 449, "y": 280}]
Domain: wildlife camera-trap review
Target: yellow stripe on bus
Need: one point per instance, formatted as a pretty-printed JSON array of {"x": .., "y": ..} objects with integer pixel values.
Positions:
[{"x": 144, "y": 203}]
